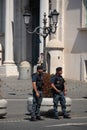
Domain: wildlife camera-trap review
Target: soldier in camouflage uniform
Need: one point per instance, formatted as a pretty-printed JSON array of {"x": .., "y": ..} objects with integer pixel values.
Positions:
[{"x": 59, "y": 90}]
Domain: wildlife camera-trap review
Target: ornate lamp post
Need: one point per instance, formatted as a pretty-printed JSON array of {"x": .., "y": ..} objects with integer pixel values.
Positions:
[{"x": 46, "y": 30}]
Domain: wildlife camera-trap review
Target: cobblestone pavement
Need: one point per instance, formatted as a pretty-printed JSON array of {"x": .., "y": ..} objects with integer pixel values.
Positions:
[
  {"x": 12, "y": 87},
  {"x": 17, "y": 91},
  {"x": 76, "y": 89}
]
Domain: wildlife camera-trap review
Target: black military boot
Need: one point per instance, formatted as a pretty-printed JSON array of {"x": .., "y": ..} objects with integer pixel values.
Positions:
[
  {"x": 39, "y": 118},
  {"x": 58, "y": 118},
  {"x": 33, "y": 119},
  {"x": 66, "y": 116}
]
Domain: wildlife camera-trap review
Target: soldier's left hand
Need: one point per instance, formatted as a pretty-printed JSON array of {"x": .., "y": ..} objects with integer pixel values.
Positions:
[{"x": 65, "y": 92}]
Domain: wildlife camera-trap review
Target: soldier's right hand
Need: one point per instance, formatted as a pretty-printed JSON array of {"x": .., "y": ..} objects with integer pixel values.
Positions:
[
  {"x": 37, "y": 94},
  {"x": 59, "y": 91}
]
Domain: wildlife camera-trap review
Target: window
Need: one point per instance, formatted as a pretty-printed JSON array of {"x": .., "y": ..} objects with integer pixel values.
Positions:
[
  {"x": 86, "y": 70},
  {"x": 85, "y": 4},
  {"x": 84, "y": 14},
  {"x": 2, "y": 15}
]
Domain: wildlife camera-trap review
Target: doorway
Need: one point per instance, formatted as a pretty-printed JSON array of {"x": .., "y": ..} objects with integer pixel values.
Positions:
[{"x": 35, "y": 6}]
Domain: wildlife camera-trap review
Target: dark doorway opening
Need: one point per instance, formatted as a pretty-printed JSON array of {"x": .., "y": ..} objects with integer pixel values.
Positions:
[{"x": 35, "y": 6}]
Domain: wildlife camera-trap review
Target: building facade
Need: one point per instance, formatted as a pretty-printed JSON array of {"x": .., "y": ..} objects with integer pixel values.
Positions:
[
  {"x": 75, "y": 32},
  {"x": 66, "y": 48}
]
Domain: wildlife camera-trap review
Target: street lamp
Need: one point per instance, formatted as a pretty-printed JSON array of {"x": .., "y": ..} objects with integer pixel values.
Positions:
[
  {"x": 26, "y": 16},
  {"x": 46, "y": 30}
]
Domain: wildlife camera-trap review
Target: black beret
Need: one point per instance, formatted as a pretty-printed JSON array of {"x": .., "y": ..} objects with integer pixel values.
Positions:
[
  {"x": 58, "y": 69},
  {"x": 40, "y": 67}
]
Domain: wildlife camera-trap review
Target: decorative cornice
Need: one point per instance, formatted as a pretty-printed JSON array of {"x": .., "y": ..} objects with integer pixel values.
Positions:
[
  {"x": 56, "y": 48},
  {"x": 82, "y": 28}
]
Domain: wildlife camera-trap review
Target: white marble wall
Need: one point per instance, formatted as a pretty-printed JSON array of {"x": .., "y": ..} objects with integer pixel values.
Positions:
[{"x": 75, "y": 41}]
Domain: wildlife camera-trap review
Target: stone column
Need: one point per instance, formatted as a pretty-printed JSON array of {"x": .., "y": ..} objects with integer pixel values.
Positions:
[
  {"x": 44, "y": 7},
  {"x": 9, "y": 68},
  {"x": 9, "y": 32}
]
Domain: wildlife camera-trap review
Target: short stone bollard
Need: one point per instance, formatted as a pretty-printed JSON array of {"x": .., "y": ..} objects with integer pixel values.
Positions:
[
  {"x": 24, "y": 70},
  {"x": 3, "y": 107}
]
